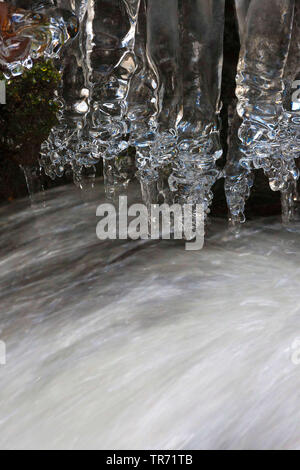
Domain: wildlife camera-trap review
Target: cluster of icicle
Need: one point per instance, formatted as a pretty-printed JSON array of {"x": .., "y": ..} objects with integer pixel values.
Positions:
[
  {"x": 141, "y": 90},
  {"x": 141, "y": 85},
  {"x": 265, "y": 131}
]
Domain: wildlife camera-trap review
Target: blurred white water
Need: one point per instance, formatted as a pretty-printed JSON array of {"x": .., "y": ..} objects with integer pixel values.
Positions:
[{"x": 139, "y": 345}]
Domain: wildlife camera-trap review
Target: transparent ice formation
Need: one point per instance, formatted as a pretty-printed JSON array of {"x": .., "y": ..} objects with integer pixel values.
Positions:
[
  {"x": 142, "y": 106},
  {"x": 290, "y": 123},
  {"x": 113, "y": 65},
  {"x": 238, "y": 178},
  {"x": 65, "y": 144},
  {"x": 266, "y": 29},
  {"x": 140, "y": 88},
  {"x": 184, "y": 51},
  {"x": 198, "y": 147},
  {"x": 163, "y": 69},
  {"x": 28, "y": 33}
]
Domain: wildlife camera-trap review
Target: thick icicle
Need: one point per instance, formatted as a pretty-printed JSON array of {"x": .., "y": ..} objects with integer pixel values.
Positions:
[
  {"x": 238, "y": 179},
  {"x": 198, "y": 148},
  {"x": 260, "y": 89},
  {"x": 60, "y": 149},
  {"x": 113, "y": 65},
  {"x": 290, "y": 123},
  {"x": 163, "y": 52}
]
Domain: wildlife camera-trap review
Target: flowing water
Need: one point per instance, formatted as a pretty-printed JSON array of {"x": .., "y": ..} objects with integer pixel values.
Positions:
[{"x": 130, "y": 345}]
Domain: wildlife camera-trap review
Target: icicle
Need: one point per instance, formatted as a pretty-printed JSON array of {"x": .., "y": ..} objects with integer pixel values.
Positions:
[
  {"x": 61, "y": 147},
  {"x": 163, "y": 48},
  {"x": 296, "y": 194},
  {"x": 242, "y": 7},
  {"x": 290, "y": 123},
  {"x": 118, "y": 172},
  {"x": 113, "y": 65},
  {"x": 142, "y": 109},
  {"x": 165, "y": 195},
  {"x": 261, "y": 68},
  {"x": 287, "y": 204},
  {"x": 33, "y": 178},
  {"x": 198, "y": 148},
  {"x": 238, "y": 178},
  {"x": 85, "y": 178}
]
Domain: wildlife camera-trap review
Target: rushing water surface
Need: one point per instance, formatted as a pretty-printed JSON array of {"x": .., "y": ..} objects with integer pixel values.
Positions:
[{"x": 130, "y": 345}]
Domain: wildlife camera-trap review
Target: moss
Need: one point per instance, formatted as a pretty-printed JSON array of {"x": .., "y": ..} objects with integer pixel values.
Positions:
[{"x": 29, "y": 113}]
